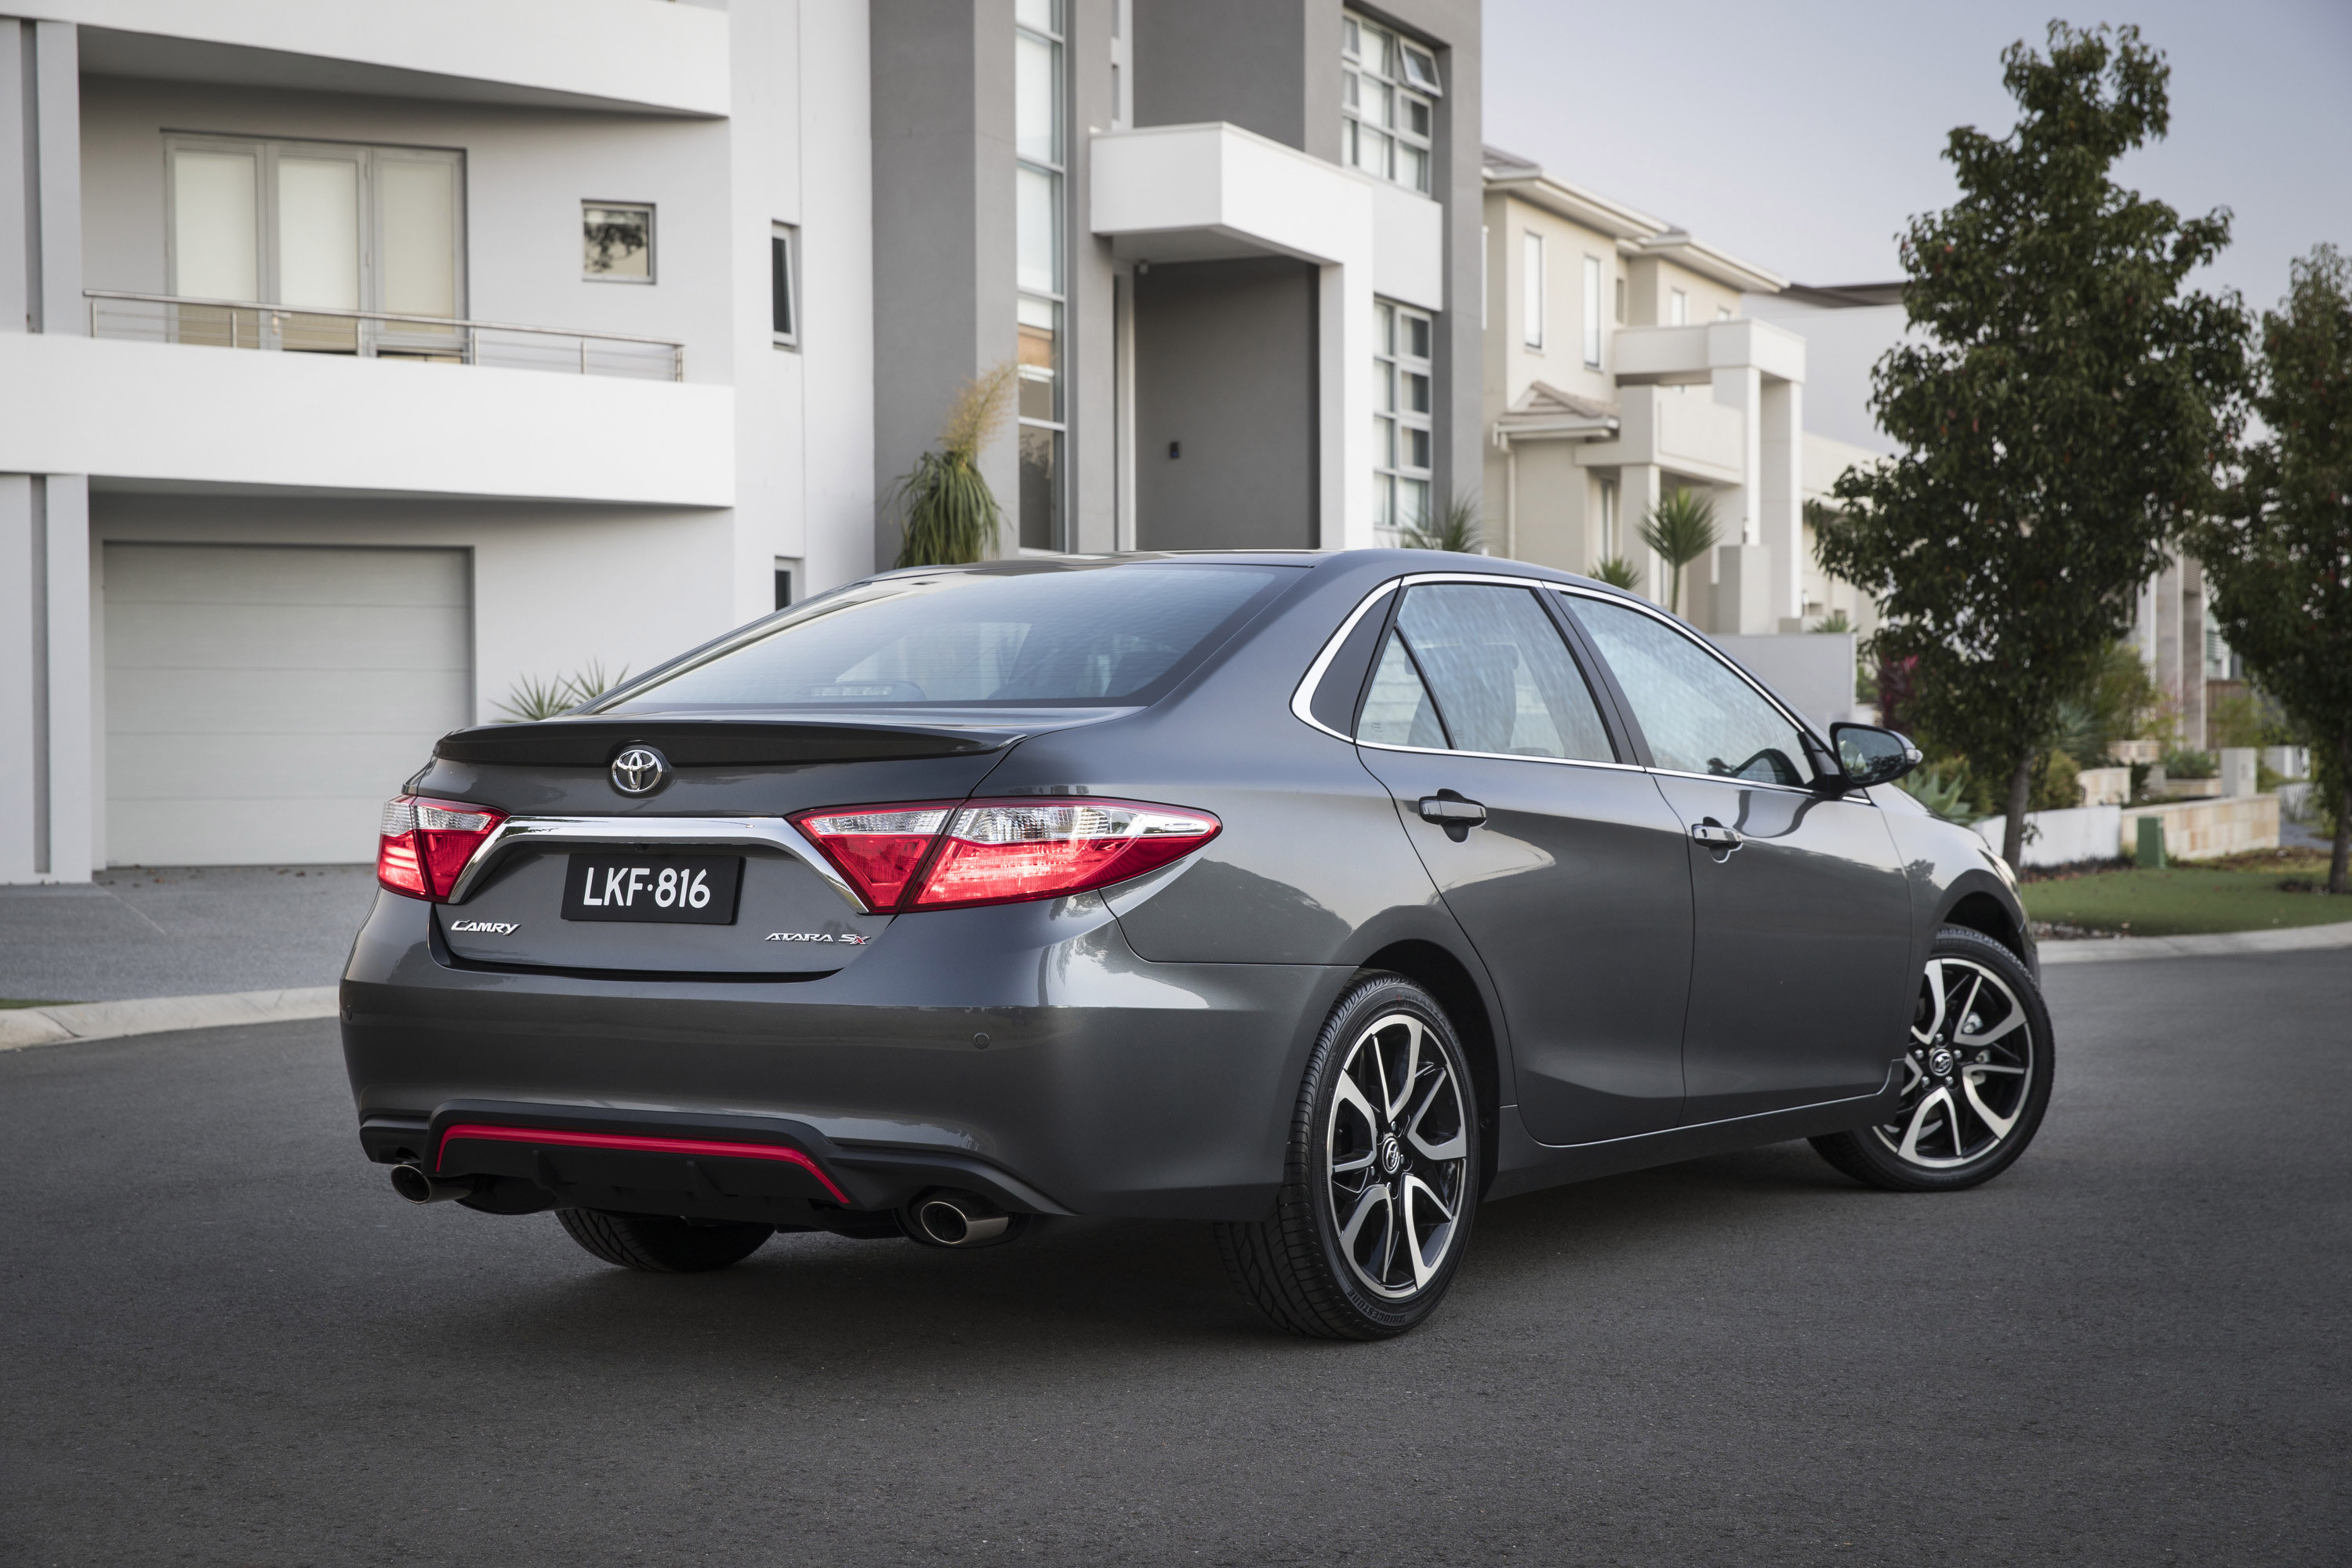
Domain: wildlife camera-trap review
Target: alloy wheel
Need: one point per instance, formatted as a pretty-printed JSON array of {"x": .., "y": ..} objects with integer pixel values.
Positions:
[
  {"x": 1969, "y": 1071},
  {"x": 1396, "y": 1151}
]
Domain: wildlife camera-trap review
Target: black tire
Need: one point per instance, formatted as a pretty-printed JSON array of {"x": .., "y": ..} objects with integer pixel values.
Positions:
[
  {"x": 1301, "y": 1267},
  {"x": 661, "y": 1243},
  {"x": 1991, "y": 1069}
]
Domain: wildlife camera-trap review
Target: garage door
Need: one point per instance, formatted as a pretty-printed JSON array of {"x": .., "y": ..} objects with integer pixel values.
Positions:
[{"x": 261, "y": 702}]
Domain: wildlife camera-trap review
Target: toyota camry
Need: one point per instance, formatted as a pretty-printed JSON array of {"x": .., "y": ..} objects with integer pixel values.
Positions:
[{"x": 1321, "y": 898}]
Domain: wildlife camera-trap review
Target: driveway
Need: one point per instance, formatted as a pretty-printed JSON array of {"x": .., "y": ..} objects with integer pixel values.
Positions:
[{"x": 227, "y": 1342}]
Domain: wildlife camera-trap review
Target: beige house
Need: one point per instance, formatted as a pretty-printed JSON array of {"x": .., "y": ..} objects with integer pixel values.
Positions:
[{"x": 1620, "y": 366}]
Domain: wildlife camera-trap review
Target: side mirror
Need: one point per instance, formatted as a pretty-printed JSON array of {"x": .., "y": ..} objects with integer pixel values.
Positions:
[{"x": 1870, "y": 755}]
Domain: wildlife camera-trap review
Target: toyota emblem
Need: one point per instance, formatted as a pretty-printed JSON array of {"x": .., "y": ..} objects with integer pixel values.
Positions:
[{"x": 640, "y": 770}]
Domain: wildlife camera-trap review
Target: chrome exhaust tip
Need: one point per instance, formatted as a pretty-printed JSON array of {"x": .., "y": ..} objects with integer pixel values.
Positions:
[
  {"x": 959, "y": 1220},
  {"x": 411, "y": 1182}
]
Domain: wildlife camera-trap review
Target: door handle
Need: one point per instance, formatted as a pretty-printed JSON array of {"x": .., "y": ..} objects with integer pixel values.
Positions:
[
  {"x": 1452, "y": 813},
  {"x": 1715, "y": 836}
]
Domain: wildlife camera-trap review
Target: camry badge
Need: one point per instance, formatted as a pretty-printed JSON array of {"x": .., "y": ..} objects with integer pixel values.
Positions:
[
  {"x": 640, "y": 770},
  {"x": 496, "y": 927}
]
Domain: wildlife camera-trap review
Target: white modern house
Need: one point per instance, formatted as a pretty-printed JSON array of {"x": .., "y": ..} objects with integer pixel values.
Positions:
[
  {"x": 1620, "y": 364},
  {"x": 359, "y": 360}
]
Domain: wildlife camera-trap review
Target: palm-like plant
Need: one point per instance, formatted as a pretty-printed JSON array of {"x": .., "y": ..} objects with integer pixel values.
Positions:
[
  {"x": 1617, "y": 572},
  {"x": 1681, "y": 527},
  {"x": 946, "y": 512},
  {"x": 1459, "y": 528},
  {"x": 532, "y": 699}
]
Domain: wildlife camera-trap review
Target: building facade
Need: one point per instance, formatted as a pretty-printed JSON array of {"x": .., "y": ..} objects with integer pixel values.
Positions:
[{"x": 360, "y": 367}]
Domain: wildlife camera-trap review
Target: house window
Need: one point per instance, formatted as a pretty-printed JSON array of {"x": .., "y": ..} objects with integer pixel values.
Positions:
[
  {"x": 783, "y": 299},
  {"x": 1387, "y": 87},
  {"x": 1722, "y": 313},
  {"x": 1404, "y": 444},
  {"x": 1677, "y": 309},
  {"x": 326, "y": 225},
  {"x": 1607, "y": 518},
  {"x": 1531, "y": 291},
  {"x": 1592, "y": 311},
  {"x": 1040, "y": 112},
  {"x": 616, "y": 242},
  {"x": 783, "y": 586},
  {"x": 1621, "y": 302}
]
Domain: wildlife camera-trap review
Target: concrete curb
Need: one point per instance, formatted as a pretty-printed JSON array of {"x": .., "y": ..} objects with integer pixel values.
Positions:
[
  {"x": 2293, "y": 938},
  {"x": 22, "y": 1026}
]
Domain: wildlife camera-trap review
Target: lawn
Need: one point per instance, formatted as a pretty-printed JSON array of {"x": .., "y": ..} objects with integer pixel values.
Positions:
[{"x": 2243, "y": 893}]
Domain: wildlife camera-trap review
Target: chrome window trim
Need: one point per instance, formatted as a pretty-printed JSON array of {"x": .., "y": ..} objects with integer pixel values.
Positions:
[{"x": 762, "y": 832}]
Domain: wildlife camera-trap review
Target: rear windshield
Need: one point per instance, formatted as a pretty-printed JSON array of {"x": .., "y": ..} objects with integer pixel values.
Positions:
[{"x": 1088, "y": 635}]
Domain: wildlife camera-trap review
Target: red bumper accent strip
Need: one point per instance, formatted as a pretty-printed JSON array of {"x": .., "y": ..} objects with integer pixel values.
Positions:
[{"x": 637, "y": 1143}]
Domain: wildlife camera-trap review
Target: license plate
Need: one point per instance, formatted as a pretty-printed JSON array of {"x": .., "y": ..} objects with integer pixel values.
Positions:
[{"x": 672, "y": 889}]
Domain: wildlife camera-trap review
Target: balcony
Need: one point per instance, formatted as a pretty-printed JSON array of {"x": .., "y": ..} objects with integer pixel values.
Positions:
[
  {"x": 342, "y": 401},
  {"x": 378, "y": 334}
]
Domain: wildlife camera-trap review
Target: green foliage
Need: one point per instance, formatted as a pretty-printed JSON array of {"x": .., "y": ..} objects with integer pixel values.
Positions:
[
  {"x": 1835, "y": 621},
  {"x": 1459, "y": 528},
  {"x": 947, "y": 513},
  {"x": 2278, "y": 568},
  {"x": 532, "y": 699},
  {"x": 1681, "y": 527},
  {"x": 2062, "y": 404},
  {"x": 1615, "y": 571},
  {"x": 2247, "y": 717},
  {"x": 1942, "y": 789},
  {"x": 2117, "y": 703},
  {"x": 2180, "y": 763},
  {"x": 2057, "y": 784}
]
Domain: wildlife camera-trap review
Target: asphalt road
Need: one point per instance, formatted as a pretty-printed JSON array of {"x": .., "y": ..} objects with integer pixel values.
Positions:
[{"x": 226, "y": 1341}]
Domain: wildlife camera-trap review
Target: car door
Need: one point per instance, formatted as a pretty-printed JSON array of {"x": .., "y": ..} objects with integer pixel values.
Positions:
[
  {"x": 1557, "y": 858},
  {"x": 1800, "y": 975}
]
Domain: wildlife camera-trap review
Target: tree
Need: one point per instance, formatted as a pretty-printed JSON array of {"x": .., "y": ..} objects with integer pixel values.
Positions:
[
  {"x": 1681, "y": 527},
  {"x": 946, "y": 512},
  {"x": 2278, "y": 565},
  {"x": 2064, "y": 408}
]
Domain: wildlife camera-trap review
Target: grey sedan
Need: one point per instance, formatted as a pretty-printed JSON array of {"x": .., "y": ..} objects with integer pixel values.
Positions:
[{"x": 1321, "y": 898}]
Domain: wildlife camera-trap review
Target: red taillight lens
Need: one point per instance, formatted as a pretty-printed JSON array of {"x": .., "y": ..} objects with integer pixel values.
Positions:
[
  {"x": 1000, "y": 851},
  {"x": 425, "y": 842}
]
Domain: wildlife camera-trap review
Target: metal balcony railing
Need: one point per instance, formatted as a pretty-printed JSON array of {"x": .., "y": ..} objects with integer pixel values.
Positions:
[{"x": 378, "y": 334}]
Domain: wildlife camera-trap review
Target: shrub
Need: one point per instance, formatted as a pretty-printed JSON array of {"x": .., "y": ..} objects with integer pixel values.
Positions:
[{"x": 2186, "y": 764}]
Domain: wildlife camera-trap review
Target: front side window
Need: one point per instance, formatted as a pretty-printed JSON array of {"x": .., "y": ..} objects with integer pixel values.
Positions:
[
  {"x": 1403, "y": 441},
  {"x": 1699, "y": 716},
  {"x": 1388, "y": 120},
  {"x": 1040, "y": 135},
  {"x": 323, "y": 227},
  {"x": 1020, "y": 637},
  {"x": 1474, "y": 668}
]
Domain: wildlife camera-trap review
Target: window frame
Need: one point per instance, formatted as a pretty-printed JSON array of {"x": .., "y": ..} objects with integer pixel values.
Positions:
[
  {"x": 1532, "y": 289},
  {"x": 1053, "y": 431},
  {"x": 1592, "y": 329},
  {"x": 652, "y": 243},
  {"x": 266, "y": 152},
  {"x": 784, "y": 285},
  {"x": 1406, "y": 91},
  {"x": 1678, "y": 307},
  {"x": 1616, "y": 715},
  {"x": 1392, "y": 364}
]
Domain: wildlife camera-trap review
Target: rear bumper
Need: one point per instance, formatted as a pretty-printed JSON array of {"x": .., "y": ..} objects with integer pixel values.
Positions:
[{"x": 1107, "y": 1085}]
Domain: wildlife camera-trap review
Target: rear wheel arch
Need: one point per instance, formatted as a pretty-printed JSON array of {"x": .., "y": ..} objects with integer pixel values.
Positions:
[{"x": 1450, "y": 981}]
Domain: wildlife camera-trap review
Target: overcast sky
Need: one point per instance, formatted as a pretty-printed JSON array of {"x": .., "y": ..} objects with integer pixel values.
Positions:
[{"x": 1801, "y": 136}]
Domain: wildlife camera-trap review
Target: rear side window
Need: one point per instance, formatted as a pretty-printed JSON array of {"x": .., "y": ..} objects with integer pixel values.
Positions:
[
  {"x": 1099, "y": 635},
  {"x": 1480, "y": 669},
  {"x": 1699, "y": 716}
]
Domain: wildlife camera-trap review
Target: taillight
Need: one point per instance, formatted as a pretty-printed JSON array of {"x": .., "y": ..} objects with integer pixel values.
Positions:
[
  {"x": 933, "y": 856},
  {"x": 425, "y": 842}
]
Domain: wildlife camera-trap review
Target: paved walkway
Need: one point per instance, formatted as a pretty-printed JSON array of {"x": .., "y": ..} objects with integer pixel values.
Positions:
[{"x": 181, "y": 931}]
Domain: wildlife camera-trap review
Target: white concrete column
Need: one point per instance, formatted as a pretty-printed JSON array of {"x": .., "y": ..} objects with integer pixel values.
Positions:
[
  {"x": 1346, "y": 392},
  {"x": 47, "y": 807},
  {"x": 1782, "y": 508},
  {"x": 1638, "y": 485},
  {"x": 1742, "y": 387}
]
